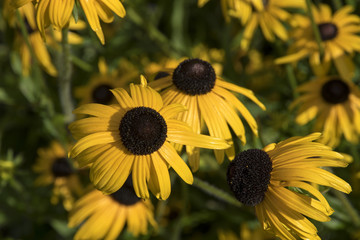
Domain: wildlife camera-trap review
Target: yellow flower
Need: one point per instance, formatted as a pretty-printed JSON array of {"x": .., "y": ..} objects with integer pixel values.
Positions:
[
  {"x": 95, "y": 9},
  {"x": 97, "y": 90},
  {"x": 134, "y": 136},
  {"x": 41, "y": 53},
  {"x": 54, "y": 168},
  {"x": 268, "y": 14},
  {"x": 195, "y": 84},
  {"x": 104, "y": 216},
  {"x": 58, "y": 13},
  {"x": 54, "y": 12},
  {"x": 336, "y": 104},
  {"x": 266, "y": 178},
  {"x": 337, "y": 32}
]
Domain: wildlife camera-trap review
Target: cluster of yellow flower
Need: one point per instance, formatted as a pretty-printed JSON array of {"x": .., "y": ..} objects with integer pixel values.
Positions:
[{"x": 130, "y": 141}]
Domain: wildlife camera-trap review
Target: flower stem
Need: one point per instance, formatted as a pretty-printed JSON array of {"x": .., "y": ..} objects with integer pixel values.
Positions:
[
  {"x": 213, "y": 191},
  {"x": 348, "y": 206},
  {"x": 65, "y": 72},
  {"x": 292, "y": 79},
  {"x": 314, "y": 27}
]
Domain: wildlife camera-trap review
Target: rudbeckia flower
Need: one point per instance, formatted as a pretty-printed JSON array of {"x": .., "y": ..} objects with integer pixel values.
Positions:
[
  {"x": 338, "y": 33},
  {"x": 194, "y": 84},
  {"x": 27, "y": 12},
  {"x": 268, "y": 14},
  {"x": 54, "y": 168},
  {"x": 267, "y": 178},
  {"x": 58, "y": 13},
  {"x": 335, "y": 103},
  {"x": 105, "y": 216},
  {"x": 95, "y": 9},
  {"x": 134, "y": 136},
  {"x": 97, "y": 90}
]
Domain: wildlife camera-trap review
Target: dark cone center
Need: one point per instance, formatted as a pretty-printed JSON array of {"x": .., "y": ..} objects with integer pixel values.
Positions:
[
  {"x": 126, "y": 194},
  {"x": 194, "y": 77},
  {"x": 61, "y": 168},
  {"x": 335, "y": 91},
  {"x": 102, "y": 94},
  {"x": 248, "y": 176},
  {"x": 327, "y": 31},
  {"x": 143, "y": 130}
]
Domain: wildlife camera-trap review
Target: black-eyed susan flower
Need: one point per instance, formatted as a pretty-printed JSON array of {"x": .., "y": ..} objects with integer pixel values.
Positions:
[
  {"x": 335, "y": 103},
  {"x": 27, "y": 12},
  {"x": 105, "y": 216},
  {"x": 133, "y": 136},
  {"x": 54, "y": 168},
  {"x": 40, "y": 49},
  {"x": 194, "y": 84},
  {"x": 58, "y": 13},
  {"x": 101, "y": 9},
  {"x": 338, "y": 33},
  {"x": 97, "y": 90},
  {"x": 267, "y": 178},
  {"x": 268, "y": 14}
]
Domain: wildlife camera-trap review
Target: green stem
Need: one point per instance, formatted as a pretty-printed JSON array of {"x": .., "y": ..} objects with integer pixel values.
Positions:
[
  {"x": 65, "y": 72},
  {"x": 213, "y": 191},
  {"x": 337, "y": 4},
  {"x": 292, "y": 79},
  {"x": 348, "y": 207},
  {"x": 314, "y": 27}
]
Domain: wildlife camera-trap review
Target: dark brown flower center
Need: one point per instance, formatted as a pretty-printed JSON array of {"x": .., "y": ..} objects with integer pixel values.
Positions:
[
  {"x": 249, "y": 175},
  {"x": 327, "y": 31},
  {"x": 61, "y": 168},
  {"x": 102, "y": 94},
  {"x": 143, "y": 130},
  {"x": 335, "y": 91},
  {"x": 126, "y": 194},
  {"x": 194, "y": 77}
]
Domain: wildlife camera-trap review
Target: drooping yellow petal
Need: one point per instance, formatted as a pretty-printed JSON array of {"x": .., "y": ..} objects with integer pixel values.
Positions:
[{"x": 176, "y": 162}]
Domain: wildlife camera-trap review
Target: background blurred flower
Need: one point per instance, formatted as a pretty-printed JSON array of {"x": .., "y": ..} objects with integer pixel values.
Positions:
[
  {"x": 335, "y": 103},
  {"x": 267, "y": 14},
  {"x": 338, "y": 33},
  {"x": 105, "y": 216},
  {"x": 97, "y": 90},
  {"x": 54, "y": 168}
]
